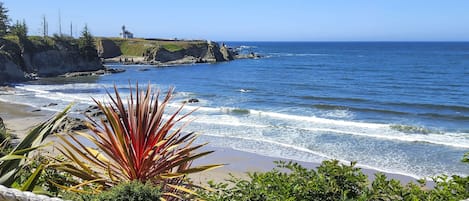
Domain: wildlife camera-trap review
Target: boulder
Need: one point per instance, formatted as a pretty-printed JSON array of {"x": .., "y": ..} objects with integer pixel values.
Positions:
[
  {"x": 50, "y": 105},
  {"x": 72, "y": 124},
  {"x": 93, "y": 111},
  {"x": 193, "y": 100}
]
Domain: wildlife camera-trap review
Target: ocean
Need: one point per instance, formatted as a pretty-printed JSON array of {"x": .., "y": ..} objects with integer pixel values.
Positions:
[{"x": 398, "y": 107}]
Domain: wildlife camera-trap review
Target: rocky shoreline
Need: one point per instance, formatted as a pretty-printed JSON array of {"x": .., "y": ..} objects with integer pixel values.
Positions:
[
  {"x": 166, "y": 52},
  {"x": 33, "y": 57},
  {"x": 104, "y": 71},
  {"x": 58, "y": 57}
]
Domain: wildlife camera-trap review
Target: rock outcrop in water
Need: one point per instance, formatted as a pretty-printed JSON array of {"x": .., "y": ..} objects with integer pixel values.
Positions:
[{"x": 25, "y": 59}]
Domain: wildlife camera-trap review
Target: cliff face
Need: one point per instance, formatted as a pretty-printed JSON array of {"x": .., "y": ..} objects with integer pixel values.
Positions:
[
  {"x": 161, "y": 52},
  {"x": 107, "y": 49},
  {"x": 209, "y": 52},
  {"x": 58, "y": 62},
  {"x": 23, "y": 59},
  {"x": 10, "y": 71}
]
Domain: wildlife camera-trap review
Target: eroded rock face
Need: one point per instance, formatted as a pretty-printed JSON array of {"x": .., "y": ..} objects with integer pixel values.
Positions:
[
  {"x": 209, "y": 52},
  {"x": 108, "y": 49},
  {"x": 9, "y": 71},
  {"x": 57, "y": 62},
  {"x": 26, "y": 60}
]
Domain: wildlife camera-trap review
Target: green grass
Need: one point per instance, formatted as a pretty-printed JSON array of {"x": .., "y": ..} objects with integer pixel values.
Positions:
[
  {"x": 138, "y": 46},
  {"x": 132, "y": 48},
  {"x": 172, "y": 47}
]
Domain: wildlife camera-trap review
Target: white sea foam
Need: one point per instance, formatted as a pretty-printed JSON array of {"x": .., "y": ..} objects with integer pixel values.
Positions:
[
  {"x": 309, "y": 123},
  {"x": 317, "y": 157},
  {"x": 250, "y": 121},
  {"x": 247, "y": 47},
  {"x": 341, "y": 114},
  {"x": 322, "y": 125},
  {"x": 244, "y": 90}
]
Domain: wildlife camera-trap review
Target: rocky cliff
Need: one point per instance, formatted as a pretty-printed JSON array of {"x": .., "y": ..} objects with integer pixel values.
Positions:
[
  {"x": 165, "y": 52},
  {"x": 24, "y": 59},
  {"x": 209, "y": 52}
]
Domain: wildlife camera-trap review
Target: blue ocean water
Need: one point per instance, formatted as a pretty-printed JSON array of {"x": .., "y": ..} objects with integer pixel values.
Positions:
[{"x": 400, "y": 107}]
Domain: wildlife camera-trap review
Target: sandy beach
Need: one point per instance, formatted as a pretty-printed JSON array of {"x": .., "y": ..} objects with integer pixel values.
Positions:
[{"x": 20, "y": 118}]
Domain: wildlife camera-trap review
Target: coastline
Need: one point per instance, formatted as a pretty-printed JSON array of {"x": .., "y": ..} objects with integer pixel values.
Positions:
[{"x": 20, "y": 118}]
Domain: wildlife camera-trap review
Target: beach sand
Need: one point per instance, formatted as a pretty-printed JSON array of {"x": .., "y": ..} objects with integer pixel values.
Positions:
[{"x": 20, "y": 118}]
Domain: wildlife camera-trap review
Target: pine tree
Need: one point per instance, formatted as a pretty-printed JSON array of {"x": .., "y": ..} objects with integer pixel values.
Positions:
[
  {"x": 20, "y": 29},
  {"x": 4, "y": 21},
  {"x": 86, "y": 44}
]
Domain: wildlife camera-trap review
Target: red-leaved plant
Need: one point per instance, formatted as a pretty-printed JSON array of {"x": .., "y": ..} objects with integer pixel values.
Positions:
[{"x": 135, "y": 141}]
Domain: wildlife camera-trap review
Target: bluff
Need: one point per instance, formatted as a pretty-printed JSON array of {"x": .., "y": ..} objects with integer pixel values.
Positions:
[
  {"x": 23, "y": 59},
  {"x": 164, "y": 52}
]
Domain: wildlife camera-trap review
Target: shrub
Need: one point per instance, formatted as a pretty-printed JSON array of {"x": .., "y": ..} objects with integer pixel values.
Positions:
[
  {"x": 128, "y": 191},
  {"x": 331, "y": 181},
  {"x": 293, "y": 182},
  {"x": 14, "y": 162},
  {"x": 49, "y": 177}
]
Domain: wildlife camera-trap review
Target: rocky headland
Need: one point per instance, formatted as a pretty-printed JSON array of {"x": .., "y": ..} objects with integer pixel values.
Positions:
[
  {"x": 161, "y": 52},
  {"x": 32, "y": 57}
]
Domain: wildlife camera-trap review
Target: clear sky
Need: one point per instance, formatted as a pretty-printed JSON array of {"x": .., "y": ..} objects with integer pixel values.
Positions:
[{"x": 255, "y": 20}]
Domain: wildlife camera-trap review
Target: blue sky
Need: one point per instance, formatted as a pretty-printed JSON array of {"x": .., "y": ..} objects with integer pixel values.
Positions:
[{"x": 255, "y": 20}]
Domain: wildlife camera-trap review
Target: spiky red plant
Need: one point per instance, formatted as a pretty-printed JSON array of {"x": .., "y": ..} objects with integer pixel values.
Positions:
[{"x": 135, "y": 141}]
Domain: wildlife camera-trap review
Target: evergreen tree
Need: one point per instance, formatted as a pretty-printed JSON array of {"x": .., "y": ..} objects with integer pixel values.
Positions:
[
  {"x": 20, "y": 29},
  {"x": 86, "y": 44},
  {"x": 4, "y": 21}
]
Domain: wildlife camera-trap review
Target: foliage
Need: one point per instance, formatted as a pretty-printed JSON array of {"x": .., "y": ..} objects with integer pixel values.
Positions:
[
  {"x": 20, "y": 29},
  {"x": 128, "y": 191},
  {"x": 135, "y": 142},
  {"x": 42, "y": 43},
  {"x": 87, "y": 45},
  {"x": 4, "y": 20},
  {"x": 49, "y": 178},
  {"x": 5, "y": 145},
  {"x": 16, "y": 159},
  {"x": 331, "y": 181}
]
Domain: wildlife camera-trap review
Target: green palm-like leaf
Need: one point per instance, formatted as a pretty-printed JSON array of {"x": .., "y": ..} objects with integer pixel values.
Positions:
[
  {"x": 135, "y": 143},
  {"x": 12, "y": 162}
]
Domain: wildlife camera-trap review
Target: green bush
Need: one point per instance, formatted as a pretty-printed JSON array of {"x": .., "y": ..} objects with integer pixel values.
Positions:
[
  {"x": 331, "y": 181},
  {"x": 49, "y": 177},
  {"x": 129, "y": 191},
  {"x": 5, "y": 145}
]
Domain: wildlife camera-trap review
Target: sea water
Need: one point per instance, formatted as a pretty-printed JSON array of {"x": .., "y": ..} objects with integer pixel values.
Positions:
[{"x": 399, "y": 107}]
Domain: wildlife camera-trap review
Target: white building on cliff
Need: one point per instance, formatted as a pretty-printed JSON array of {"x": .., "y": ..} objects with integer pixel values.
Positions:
[{"x": 125, "y": 33}]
